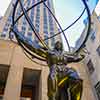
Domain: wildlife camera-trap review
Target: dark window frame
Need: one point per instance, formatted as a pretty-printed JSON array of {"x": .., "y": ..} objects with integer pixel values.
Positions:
[
  {"x": 98, "y": 50},
  {"x": 90, "y": 66}
]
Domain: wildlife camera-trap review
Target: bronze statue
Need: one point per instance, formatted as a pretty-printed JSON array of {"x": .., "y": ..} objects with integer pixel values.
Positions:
[
  {"x": 61, "y": 76},
  {"x": 62, "y": 81}
]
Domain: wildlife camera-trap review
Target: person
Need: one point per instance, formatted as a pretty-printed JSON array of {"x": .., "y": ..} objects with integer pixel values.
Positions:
[{"x": 57, "y": 61}]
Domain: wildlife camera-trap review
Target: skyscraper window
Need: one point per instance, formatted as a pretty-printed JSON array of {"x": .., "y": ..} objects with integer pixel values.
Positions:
[
  {"x": 5, "y": 29},
  {"x": 98, "y": 50},
  {"x": 90, "y": 67},
  {"x": 23, "y": 28}
]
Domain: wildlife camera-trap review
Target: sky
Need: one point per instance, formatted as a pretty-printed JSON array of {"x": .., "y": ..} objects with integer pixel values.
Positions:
[
  {"x": 3, "y": 6},
  {"x": 68, "y": 12},
  {"x": 65, "y": 17}
]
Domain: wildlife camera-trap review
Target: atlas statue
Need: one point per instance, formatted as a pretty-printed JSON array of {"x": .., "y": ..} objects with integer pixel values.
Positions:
[{"x": 63, "y": 82}]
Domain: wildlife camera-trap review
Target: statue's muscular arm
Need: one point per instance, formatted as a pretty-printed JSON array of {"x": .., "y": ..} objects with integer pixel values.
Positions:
[
  {"x": 41, "y": 52},
  {"x": 74, "y": 58}
]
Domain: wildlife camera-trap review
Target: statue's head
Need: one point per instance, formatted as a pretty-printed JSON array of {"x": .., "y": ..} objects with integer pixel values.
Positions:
[{"x": 58, "y": 46}]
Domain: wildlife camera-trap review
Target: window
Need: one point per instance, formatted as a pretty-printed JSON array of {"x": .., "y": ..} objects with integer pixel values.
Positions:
[
  {"x": 24, "y": 22},
  {"x": 30, "y": 29},
  {"x": 45, "y": 37},
  {"x": 45, "y": 31},
  {"x": 90, "y": 67},
  {"x": 37, "y": 29},
  {"x": 3, "y": 35},
  {"x": 52, "y": 42},
  {"x": 97, "y": 88},
  {"x": 5, "y": 29},
  {"x": 23, "y": 28},
  {"x": 10, "y": 18},
  {"x": 32, "y": 15},
  {"x": 37, "y": 21},
  {"x": 98, "y": 50},
  {"x": 51, "y": 33},
  {"x": 11, "y": 35},
  {"x": 93, "y": 35},
  {"x": 98, "y": 18},
  {"x": 29, "y": 33},
  {"x": 51, "y": 28},
  {"x": 4, "y": 70},
  {"x": 37, "y": 25},
  {"x": 33, "y": 1}
]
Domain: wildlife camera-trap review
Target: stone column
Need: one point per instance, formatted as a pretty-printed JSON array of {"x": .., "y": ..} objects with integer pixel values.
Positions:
[
  {"x": 15, "y": 75},
  {"x": 45, "y": 71}
]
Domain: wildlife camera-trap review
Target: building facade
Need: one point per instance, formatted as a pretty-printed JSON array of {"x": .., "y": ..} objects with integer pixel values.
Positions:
[
  {"x": 20, "y": 78},
  {"x": 92, "y": 60}
]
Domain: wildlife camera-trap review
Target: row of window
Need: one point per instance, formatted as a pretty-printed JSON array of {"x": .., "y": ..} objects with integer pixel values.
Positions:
[
  {"x": 37, "y": 21},
  {"x": 6, "y": 27},
  {"x": 45, "y": 25},
  {"x": 29, "y": 34},
  {"x": 51, "y": 25},
  {"x": 24, "y": 22}
]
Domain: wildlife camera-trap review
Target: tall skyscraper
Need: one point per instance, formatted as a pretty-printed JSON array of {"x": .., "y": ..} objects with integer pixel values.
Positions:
[{"x": 41, "y": 18}]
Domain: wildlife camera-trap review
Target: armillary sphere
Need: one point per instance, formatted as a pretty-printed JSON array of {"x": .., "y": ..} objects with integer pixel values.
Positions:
[{"x": 24, "y": 11}]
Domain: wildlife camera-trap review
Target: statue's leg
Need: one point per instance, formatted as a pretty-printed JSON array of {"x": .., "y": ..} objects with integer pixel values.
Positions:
[
  {"x": 76, "y": 90},
  {"x": 52, "y": 84},
  {"x": 75, "y": 85}
]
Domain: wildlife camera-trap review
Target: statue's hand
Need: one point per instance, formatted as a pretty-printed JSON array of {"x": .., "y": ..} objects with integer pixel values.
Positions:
[{"x": 83, "y": 52}]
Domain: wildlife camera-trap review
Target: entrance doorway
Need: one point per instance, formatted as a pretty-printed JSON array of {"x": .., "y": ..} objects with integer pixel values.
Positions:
[
  {"x": 30, "y": 85},
  {"x": 4, "y": 69}
]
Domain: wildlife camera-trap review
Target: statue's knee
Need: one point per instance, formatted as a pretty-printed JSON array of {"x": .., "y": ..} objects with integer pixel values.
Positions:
[
  {"x": 76, "y": 90},
  {"x": 78, "y": 86}
]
